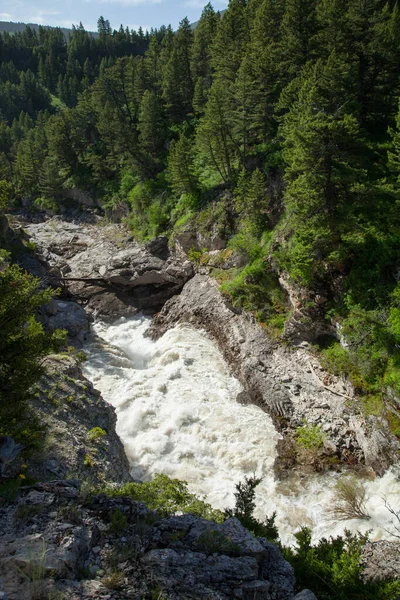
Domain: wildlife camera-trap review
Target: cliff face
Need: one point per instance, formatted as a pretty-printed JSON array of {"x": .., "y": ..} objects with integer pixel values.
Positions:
[
  {"x": 287, "y": 382},
  {"x": 109, "y": 273},
  {"x": 55, "y": 543}
]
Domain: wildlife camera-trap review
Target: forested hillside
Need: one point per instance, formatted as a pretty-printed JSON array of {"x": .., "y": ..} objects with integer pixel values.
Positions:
[{"x": 278, "y": 122}]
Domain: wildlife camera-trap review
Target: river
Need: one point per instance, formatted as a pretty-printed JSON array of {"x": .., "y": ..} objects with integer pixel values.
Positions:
[{"x": 177, "y": 414}]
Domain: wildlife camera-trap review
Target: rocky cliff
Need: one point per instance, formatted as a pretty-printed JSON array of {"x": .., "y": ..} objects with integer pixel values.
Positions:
[
  {"x": 288, "y": 382},
  {"x": 57, "y": 543},
  {"x": 103, "y": 268}
]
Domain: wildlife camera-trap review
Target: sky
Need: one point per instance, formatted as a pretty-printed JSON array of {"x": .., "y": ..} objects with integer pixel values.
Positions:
[{"x": 131, "y": 13}]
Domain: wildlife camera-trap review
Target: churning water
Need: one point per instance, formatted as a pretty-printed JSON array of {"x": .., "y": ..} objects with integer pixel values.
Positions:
[{"x": 178, "y": 415}]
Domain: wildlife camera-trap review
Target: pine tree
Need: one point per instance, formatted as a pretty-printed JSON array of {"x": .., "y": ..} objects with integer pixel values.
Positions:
[
  {"x": 152, "y": 131},
  {"x": 322, "y": 146},
  {"x": 181, "y": 172},
  {"x": 394, "y": 152},
  {"x": 204, "y": 35},
  {"x": 215, "y": 145},
  {"x": 230, "y": 41},
  {"x": 298, "y": 29},
  {"x": 251, "y": 201},
  {"x": 177, "y": 83}
]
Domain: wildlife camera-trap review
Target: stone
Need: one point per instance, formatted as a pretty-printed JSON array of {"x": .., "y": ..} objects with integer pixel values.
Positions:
[
  {"x": 114, "y": 275},
  {"x": 305, "y": 595},
  {"x": 237, "y": 534},
  {"x": 381, "y": 560},
  {"x": 256, "y": 590}
]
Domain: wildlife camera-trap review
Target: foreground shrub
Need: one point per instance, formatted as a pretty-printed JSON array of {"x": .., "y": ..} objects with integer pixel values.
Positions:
[{"x": 167, "y": 496}]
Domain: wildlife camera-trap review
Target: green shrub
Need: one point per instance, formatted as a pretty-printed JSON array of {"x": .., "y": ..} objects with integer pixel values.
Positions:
[
  {"x": 96, "y": 434},
  {"x": 167, "y": 496},
  {"x": 244, "y": 509},
  {"x": 212, "y": 541},
  {"x": 310, "y": 437},
  {"x": 256, "y": 289},
  {"x": 88, "y": 461},
  {"x": 332, "y": 570}
]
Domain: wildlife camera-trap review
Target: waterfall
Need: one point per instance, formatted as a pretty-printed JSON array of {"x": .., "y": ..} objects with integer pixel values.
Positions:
[{"x": 177, "y": 414}]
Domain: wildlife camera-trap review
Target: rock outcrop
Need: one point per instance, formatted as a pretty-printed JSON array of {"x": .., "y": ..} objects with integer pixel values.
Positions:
[
  {"x": 287, "y": 382},
  {"x": 54, "y": 542},
  {"x": 106, "y": 270},
  {"x": 381, "y": 559},
  {"x": 80, "y": 437}
]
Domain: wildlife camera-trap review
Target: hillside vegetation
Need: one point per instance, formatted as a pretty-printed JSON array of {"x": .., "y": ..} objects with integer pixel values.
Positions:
[{"x": 277, "y": 123}]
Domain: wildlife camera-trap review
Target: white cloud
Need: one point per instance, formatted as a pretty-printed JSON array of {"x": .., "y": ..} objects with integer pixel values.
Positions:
[
  {"x": 202, "y": 3},
  {"x": 126, "y": 2},
  {"x": 5, "y": 17},
  {"x": 42, "y": 16}
]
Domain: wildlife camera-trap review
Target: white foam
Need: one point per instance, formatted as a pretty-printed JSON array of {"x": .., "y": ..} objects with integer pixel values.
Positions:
[{"x": 178, "y": 415}]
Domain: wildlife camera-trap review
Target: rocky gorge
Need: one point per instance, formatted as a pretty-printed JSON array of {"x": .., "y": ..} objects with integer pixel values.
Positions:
[{"x": 104, "y": 274}]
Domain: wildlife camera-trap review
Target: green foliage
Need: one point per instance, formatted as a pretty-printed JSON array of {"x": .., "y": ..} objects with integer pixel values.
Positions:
[
  {"x": 244, "y": 509},
  {"x": 278, "y": 119},
  {"x": 23, "y": 347},
  {"x": 88, "y": 461},
  {"x": 96, "y": 434},
  {"x": 256, "y": 288},
  {"x": 310, "y": 437},
  {"x": 332, "y": 568},
  {"x": 5, "y": 194},
  {"x": 215, "y": 542},
  {"x": 167, "y": 496}
]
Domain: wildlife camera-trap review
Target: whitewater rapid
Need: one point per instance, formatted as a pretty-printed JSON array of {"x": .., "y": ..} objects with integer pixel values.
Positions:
[{"x": 178, "y": 415}]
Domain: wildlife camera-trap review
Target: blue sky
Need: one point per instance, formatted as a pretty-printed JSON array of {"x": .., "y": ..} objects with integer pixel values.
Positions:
[{"x": 147, "y": 13}]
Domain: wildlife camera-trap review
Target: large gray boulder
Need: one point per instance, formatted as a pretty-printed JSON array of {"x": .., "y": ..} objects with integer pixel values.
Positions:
[{"x": 112, "y": 274}]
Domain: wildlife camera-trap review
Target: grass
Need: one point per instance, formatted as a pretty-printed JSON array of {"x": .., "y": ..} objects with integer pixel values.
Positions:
[
  {"x": 350, "y": 499},
  {"x": 114, "y": 579}
]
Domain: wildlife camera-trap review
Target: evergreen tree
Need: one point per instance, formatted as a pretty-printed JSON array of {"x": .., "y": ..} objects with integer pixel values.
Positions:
[
  {"x": 204, "y": 35},
  {"x": 322, "y": 145},
  {"x": 181, "y": 171},
  {"x": 215, "y": 145},
  {"x": 298, "y": 28},
  {"x": 230, "y": 41},
  {"x": 152, "y": 130},
  {"x": 177, "y": 84}
]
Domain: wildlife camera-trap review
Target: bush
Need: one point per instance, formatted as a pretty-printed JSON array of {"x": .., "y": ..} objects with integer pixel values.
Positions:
[
  {"x": 350, "y": 500},
  {"x": 310, "y": 437},
  {"x": 332, "y": 569},
  {"x": 257, "y": 290},
  {"x": 118, "y": 521},
  {"x": 96, "y": 434},
  {"x": 244, "y": 509},
  {"x": 167, "y": 496},
  {"x": 23, "y": 347}
]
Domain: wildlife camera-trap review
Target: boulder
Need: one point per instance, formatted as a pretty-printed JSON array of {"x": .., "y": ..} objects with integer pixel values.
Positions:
[{"x": 112, "y": 274}]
